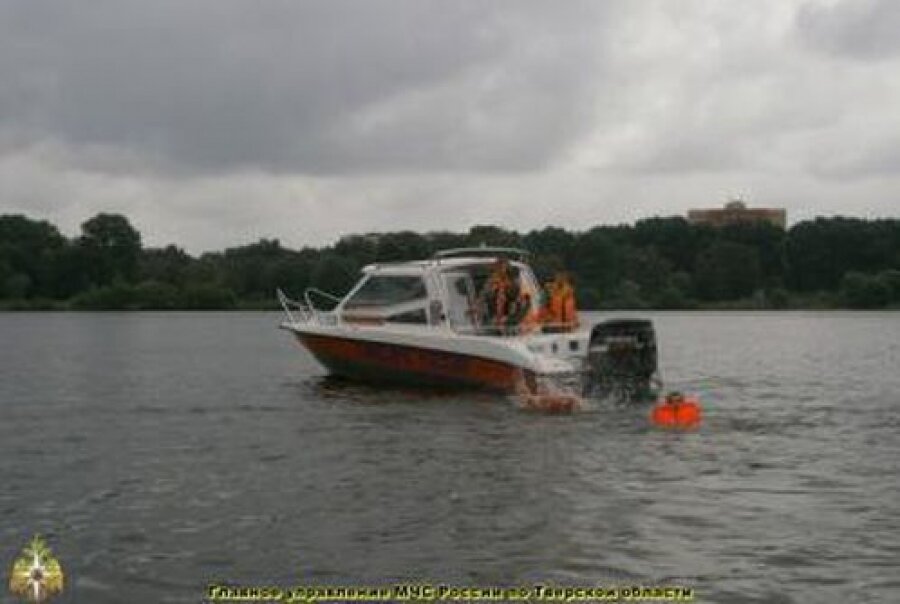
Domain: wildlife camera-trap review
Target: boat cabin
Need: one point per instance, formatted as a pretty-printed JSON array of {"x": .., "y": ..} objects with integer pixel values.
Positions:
[{"x": 453, "y": 290}]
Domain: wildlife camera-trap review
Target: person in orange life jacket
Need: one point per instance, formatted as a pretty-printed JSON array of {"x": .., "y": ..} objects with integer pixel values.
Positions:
[
  {"x": 501, "y": 294},
  {"x": 561, "y": 309},
  {"x": 530, "y": 313},
  {"x": 530, "y": 307},
  {"x": 677, "y": 411},
  {"x": 523, "y": 311}
]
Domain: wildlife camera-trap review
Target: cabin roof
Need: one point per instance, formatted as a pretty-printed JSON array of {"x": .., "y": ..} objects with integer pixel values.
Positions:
[{"x": 423, "y": 266}]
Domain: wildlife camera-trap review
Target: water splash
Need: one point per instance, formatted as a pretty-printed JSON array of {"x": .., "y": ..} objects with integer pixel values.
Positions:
[{"x": 549, "y": 394}]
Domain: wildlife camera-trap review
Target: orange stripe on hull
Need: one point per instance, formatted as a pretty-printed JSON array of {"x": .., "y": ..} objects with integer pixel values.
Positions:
[{"x": 396, "y": 362}]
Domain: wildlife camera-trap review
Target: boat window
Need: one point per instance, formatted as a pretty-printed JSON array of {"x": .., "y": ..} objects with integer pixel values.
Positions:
[
  {"x": 472, "y": 307},
  {"x": 388, "y": 290},
  {"x": 461, "y": 285},
  {"x": 413, "y": 316},
  {"x": 461, "y": 300}
]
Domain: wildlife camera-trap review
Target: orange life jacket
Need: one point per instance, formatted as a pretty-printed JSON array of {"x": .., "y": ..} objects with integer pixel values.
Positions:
[
  {"x": 570, "y": 313},
  {"x": 498, "y": 286},
  {"x": 676, "y": 413},
  {"x": 562, "y": 309},
  {"x": 532, "y": 317}
]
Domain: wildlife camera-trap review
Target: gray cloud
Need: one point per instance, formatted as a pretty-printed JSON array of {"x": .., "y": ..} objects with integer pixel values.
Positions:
[
  {"x": 878, "y": 160},
  {"x": 315, "y": 87},
  {"x": 215, "y": 122},
  {"x": 861, "y": 29}
]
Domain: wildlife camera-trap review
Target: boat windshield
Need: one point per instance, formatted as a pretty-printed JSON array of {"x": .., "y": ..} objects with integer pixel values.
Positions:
[{"x": 387, "y": 290}]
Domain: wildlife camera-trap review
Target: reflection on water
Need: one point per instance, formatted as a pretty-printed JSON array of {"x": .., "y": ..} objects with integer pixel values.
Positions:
[{"x": 158, "y": 452}]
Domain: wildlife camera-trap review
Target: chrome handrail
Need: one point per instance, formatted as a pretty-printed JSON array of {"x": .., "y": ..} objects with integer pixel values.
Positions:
[
  {"x": 288, "y": 303},
  {"x": 319, "y": 292},
  {"x": 306, "y": 310},
  {"x": 315, "y": 312}
]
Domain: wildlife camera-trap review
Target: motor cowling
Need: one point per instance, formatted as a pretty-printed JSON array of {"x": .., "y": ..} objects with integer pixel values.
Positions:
[{"x": 622, "y": 360}]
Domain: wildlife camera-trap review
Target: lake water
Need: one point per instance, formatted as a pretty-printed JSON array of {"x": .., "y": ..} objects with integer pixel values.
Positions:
[{"x": 160, "y": 452}]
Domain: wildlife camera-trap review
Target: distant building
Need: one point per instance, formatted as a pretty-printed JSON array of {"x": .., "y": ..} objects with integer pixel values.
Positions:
[{"x": 737, "y": 211}]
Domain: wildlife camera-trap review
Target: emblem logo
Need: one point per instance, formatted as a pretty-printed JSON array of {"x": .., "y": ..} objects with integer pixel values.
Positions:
[{"x": 36, "y": 575}]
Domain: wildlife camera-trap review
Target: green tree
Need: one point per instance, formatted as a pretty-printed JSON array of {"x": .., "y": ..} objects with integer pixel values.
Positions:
[
  {"x": 769, "y": 242},
  {"x": 117, "y": 296},
  {"x": 627, "y": 294},
  {"x": 16, "y": 286},
  {"x": 891, "y": 279},
  {"x": 551, "y": 241},
  {"x": 207, "y": 296},
  {"x": 676, "y": 240},
  {"x": 156, "y": 295},
  {"x": 334, "y": 274},
  {"x": 29, "y": 249},
  {"x": 405, "y": 245},
  {"x": 646, "y": 268},
  {"x": 597, "y": 261},
  {"x": 111, "y": 248},
  {"x": 444, "y": 240},
  {"x": 293, "y": 273},
  {"x": 492, "y": 236},
  {"x": 552, "y": 249},
  {"x": 359, "y": 249},
  {"x": 72, "y": 272},
  {"x": 661, "y": 262},
  {"x": 248, "y": 270},
  {"x": 820, "y": 252},
  {"x": 727, "y": 270},
  {"x": 865, "y": 291},
  {"x": 164, "y": 265}
]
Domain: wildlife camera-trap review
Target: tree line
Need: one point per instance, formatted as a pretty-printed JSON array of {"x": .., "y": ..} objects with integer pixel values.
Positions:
[{"x": 662, "y": 262}]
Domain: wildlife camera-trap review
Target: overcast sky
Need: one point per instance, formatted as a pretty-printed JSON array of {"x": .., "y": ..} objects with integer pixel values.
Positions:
[{"x": 212, "y": 123}]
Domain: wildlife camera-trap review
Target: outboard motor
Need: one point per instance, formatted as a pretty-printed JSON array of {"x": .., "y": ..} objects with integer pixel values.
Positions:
[{"x": 622, "y": 360}]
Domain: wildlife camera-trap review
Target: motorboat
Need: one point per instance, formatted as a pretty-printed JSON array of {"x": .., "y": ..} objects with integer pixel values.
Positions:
[{"x": 426, "y": 322}]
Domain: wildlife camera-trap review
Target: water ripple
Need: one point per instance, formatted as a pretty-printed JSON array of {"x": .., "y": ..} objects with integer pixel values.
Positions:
[{"x": 252, "y": 466}]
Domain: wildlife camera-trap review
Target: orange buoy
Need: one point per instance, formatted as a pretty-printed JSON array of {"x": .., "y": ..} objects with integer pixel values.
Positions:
[{"x": 676, "y": 411}]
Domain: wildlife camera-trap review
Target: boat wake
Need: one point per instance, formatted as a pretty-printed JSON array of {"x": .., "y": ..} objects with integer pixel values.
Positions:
[
  {"x": 568, "y": 393},
  {"x": 552, "y": 395}
]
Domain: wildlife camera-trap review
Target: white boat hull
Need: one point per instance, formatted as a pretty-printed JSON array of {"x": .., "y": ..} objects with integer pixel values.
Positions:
[{"x": 440, "y": 357}]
